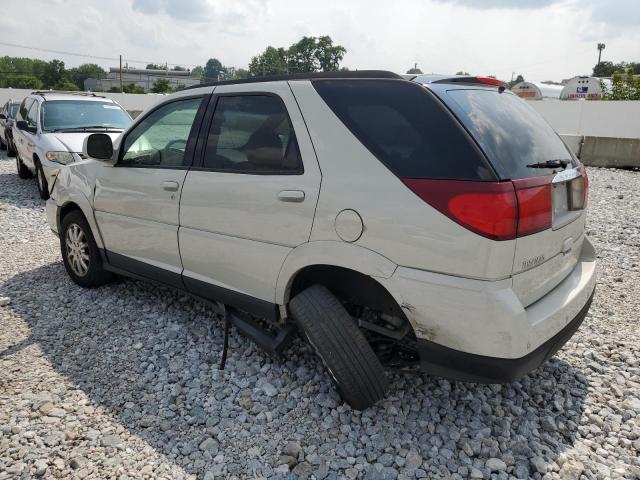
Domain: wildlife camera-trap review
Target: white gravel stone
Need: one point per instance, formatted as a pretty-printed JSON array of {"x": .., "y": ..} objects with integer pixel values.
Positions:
[{"x": 123, "y": 381}]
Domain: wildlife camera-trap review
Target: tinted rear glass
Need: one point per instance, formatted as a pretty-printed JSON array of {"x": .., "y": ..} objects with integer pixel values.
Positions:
[
  {"x": 406, "y": 128},
  {"x": 509, "y": 131}
]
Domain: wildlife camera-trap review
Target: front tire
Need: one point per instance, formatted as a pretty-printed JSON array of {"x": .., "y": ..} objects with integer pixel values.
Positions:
[
  {"x": 41, "y": 181},
  {"x": 11, "y": 149},
  {"x": 80, "y": 253},
  {"x": 338, "y": 341},
  {"x": 23, "y": 171}
]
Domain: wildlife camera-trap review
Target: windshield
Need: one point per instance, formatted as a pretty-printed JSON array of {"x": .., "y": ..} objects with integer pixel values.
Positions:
[
  {"x": 511, "y": 133},
  {"x": 14, "y": 110},
  {"x": 70, "y": 114}
]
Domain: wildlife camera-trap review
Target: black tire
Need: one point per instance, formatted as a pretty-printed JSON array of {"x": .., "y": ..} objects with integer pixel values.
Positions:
[
  {"x": 357, "y": 372},
  {"x": 23, "y": 171},
  {"x": 11, "y": 149},
  {"x": 95, "y": 274},
  {"x": 41, "y": 182},
  {"x": 3, "y": 146}
]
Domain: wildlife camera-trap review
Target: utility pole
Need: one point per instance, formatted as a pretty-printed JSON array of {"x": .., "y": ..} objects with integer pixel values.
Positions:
[
  {"x": 121, "y": 90},
  {"x": 601, "y": 46}
]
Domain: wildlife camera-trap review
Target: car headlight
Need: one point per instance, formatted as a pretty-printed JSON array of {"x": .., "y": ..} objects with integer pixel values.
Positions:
[{"x": 64, "y": 158}]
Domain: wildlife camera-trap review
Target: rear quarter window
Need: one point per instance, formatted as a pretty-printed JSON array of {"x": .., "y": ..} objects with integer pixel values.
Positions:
[
  {"x": 406, "y": 127},
  {"x": 509, "y": 131}
]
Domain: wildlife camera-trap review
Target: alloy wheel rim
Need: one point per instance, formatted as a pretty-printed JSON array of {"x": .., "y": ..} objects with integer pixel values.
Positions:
[{"x": 77, "y": 250}]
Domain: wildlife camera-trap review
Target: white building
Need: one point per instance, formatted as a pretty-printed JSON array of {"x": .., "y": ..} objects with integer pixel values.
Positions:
[{"x": 140, "y": 77}]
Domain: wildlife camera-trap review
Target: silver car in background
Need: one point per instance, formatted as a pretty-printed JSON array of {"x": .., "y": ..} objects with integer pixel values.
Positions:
[{"x": 50, "y": 129}]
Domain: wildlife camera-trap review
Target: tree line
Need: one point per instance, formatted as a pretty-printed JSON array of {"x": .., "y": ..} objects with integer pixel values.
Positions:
[{"x": 310, "y": 54}]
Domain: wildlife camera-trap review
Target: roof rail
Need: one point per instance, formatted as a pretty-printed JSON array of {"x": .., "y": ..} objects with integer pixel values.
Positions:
[
  {"x": 305, "y": 76},
  {"x": 66, "y": 92}
]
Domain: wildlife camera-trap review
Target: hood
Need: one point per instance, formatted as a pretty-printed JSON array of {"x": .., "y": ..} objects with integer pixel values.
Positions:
[{"x": 73, "y": 140}]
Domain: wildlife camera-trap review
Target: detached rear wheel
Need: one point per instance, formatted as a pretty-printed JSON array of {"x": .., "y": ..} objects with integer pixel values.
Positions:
[
  {"x": 80, "y": 253},
  {"x": 337, "y": 340}
]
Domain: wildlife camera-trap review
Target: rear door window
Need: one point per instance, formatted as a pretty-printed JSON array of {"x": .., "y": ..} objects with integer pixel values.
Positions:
[
  {"x": 509, "y": 131},
  {"x": 252, "y": 134},
  {"x": 406, "y": 127}
]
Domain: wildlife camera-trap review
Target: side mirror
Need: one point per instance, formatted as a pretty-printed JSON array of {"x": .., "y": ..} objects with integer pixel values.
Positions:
[{"x": 98, "y": 146}]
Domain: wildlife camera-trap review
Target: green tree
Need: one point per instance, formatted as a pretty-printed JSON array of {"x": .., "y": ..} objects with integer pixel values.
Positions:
[
  {"x": 67, "y": 85},
  {"x": 301, "y": 56},
  {"x": 213, "y": 70},
  {"x": 603, "y": 69},
  {"x": 197, "y": 72},
  {"x": 87, "y": 70},
  {"x": 329, "y": 55},
  {"x": 240, "y": 73},
  {"x": 178, "y": 68},
  {"x": 54, "y": 74},
  {"x": 273, "y": 61},
  {"x": 624, "y": 86},
  {"x": 462, "y": 72},
  {"x": 156, "y": 66},
  {"x": 414, "y": 71},
  {"x": 161, "y": 85}
]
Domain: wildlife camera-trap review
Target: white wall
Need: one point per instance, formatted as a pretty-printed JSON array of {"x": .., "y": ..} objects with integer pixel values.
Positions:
[
  {"x": 130, "y": 101},
  {"x": 588, "y": 118},
  {"x": 620, "y": 119}
]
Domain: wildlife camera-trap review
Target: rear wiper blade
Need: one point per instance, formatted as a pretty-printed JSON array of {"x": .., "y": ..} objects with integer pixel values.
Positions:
[{"x": 550, "y": 164}]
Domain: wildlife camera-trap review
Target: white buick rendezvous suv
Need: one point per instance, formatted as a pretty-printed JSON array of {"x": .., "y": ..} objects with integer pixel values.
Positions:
[{"x": 431, "y": 222}]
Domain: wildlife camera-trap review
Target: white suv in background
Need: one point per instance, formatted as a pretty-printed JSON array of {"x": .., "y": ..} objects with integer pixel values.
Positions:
[
  {"x": 431, "y": 222},
  {"x": 50, "y": 128}
]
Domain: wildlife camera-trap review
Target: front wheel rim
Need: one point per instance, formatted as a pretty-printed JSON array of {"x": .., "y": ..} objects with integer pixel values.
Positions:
[{"x": 77, "y": 248}]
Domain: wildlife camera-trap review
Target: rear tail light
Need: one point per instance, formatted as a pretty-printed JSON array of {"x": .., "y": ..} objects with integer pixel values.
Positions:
[
  {"x": 496, "y": 210},
  {"x": 585, "y": 179}
]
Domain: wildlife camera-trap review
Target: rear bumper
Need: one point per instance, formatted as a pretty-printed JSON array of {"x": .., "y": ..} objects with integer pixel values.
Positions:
[
  {"x": 456, "y": 365},
  {"x": 481, "y": 330}
]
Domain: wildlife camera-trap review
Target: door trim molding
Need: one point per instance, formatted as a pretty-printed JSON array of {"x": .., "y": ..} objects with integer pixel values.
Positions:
[{"x": 127, "y": 266}]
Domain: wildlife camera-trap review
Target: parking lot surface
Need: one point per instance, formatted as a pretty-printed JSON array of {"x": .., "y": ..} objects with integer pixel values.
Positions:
[{"x": 122, "y": 381}]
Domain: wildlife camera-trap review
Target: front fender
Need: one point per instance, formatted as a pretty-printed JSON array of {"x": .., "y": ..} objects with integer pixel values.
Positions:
[
  {"x": 73, "y": 187},
  {"x": 333, "y": 253}
]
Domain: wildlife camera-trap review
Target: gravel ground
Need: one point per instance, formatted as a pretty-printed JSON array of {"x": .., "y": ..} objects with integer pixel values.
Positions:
[{"x": 122, "y": 381}]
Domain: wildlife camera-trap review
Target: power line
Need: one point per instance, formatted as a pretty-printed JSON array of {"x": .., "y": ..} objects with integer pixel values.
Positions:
[{"x": 95, "y": 57}]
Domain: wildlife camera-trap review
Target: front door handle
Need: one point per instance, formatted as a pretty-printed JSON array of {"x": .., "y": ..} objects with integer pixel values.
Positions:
[
  {"x": 170, "y": 186},
  {"x": 296, "y": 196}
]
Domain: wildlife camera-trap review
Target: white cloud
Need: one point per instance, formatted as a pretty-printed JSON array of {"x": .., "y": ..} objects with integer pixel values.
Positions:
[{"x": 552, "y": 39}]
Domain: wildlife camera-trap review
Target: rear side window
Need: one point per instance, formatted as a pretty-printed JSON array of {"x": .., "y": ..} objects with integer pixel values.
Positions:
[
  {"x": 406, "y": 128},
  {"x": 509, "y": 131},
  {"x": 24, "y": 108},
  {"x": 252, "y": 134}
]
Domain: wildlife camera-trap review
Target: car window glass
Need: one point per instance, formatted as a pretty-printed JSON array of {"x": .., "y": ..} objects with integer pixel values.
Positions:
[
  {"x": 14, "y": 109},
  {"x": 252, "y": 134},
  {"x": 406, "y": 128},
  {"x": 32, "y": 115},
  {"x": 161, "y": 138},
  {"x": 24, "y": 108}
]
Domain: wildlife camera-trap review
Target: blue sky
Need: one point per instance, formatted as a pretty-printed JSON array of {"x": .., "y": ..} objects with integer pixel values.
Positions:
[{"x": 542, "y": 39}]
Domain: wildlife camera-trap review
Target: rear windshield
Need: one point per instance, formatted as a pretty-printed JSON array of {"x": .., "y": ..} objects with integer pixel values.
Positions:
[
  {"x": 510, "y": 132},
  {"x": 67, "y": 114},
  {"x": 406, "y": 128}
]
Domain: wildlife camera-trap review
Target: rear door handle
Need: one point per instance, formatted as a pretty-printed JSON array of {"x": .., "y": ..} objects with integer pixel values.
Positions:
[
  {"x": 296, "y": 196},
  {"x": 170, "y": 186}
]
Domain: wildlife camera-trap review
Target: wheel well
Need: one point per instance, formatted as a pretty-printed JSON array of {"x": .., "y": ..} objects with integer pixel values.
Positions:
[
  {"x": 385, "y": 326},
  {"x": 65, "y": 209},
  {"x": 348, "y": 285}
]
